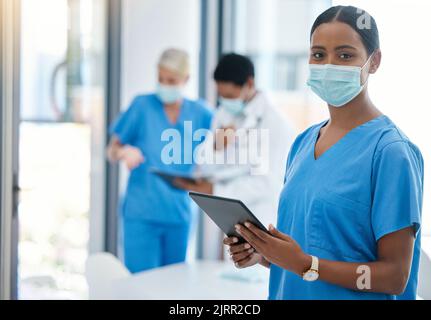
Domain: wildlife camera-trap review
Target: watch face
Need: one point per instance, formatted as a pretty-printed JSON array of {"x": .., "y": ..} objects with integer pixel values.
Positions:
[{"x": 311, "y": 275}]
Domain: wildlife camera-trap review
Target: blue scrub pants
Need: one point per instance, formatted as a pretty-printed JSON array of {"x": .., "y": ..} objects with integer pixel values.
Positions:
[{"x": 149, "y": 245}]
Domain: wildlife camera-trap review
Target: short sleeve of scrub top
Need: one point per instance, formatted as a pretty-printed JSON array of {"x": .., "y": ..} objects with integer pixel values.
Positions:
[
  {"x": 397, "y": 202},
  {"x": 126, "y": 126},
  {"x": 397, "y": 189},
  {"x": 294, "y": 149},
  {"x": 337, "y": 207}
]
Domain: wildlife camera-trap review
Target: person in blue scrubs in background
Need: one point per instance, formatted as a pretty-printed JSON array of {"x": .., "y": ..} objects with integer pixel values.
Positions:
[
  {"x": 156, "y": 216},
  {"x": 350, "y": 212}
]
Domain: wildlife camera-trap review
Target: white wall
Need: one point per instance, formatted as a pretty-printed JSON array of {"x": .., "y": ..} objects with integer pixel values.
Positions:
[
  {"x": 276, "y": 26},
  {"x": 149, "y": 27}
]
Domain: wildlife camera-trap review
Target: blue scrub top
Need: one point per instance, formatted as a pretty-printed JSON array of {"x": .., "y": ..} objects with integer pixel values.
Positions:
[
  {"x": 367, "y": 185},
  {"x": 148, "y": 197}
]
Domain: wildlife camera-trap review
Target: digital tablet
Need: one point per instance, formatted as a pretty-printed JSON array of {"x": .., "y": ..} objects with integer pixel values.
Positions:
[
  {"x": 226, "y": 213},
  {"x": 170, "y": 176}
]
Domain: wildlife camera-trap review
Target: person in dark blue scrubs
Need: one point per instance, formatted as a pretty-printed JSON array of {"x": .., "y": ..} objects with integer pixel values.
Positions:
[
  {"x": 156, "y": 216},
  {"x": 350, "y": 212}
]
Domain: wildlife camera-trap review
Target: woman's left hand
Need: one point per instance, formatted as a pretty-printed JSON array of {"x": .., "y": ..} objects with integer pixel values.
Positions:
[
  {"x": 276, "y": 247},
  {"x": 202, "y": 186}
]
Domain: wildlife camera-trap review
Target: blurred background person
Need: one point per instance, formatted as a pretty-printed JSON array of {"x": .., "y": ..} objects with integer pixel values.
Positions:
[{"x": 156, "y": 216}]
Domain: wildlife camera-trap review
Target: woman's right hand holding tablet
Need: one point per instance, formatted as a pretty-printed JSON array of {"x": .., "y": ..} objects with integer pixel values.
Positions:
[{"x": 243, "y": 255}]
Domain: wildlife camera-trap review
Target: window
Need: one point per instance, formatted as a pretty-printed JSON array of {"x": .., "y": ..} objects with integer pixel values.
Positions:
[{"x": 61, "y": 146}]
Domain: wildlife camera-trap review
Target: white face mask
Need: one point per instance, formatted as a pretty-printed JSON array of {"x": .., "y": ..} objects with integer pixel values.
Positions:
[
  {"x": 337, "y": 85},
  {"x": 169, "y": 94},
  {"x": 233, "y": 106}
]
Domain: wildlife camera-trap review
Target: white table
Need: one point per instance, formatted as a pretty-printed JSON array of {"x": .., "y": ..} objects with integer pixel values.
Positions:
[
  {"x": 199, "y": 280},
  {"x": 196, "y": 281}
]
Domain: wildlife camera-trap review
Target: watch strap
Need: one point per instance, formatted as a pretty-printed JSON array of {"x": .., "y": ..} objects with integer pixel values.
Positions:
[{"x": 314, "y": 263}]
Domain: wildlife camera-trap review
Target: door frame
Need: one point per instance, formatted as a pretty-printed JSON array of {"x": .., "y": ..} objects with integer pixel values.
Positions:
[
  {"x": 211, "y": 42},
  {"x": 113, "y": 101},
  {"x": 9, "y": 128}
]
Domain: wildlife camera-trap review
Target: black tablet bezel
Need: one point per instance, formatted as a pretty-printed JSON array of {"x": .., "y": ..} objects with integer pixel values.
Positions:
[{"x": 204, "y": 195}]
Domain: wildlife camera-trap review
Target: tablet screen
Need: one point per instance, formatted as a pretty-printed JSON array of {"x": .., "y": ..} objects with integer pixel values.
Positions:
[
  {"x": 226, "y": 213},
  {"x": 170, "y": 176}
]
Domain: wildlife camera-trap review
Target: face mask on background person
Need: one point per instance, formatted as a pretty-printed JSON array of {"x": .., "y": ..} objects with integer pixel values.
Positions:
[
  {"x": 233, "y": 106},
  {"x": 169, "y": 94},
  {"x": 336, "y": 84}
]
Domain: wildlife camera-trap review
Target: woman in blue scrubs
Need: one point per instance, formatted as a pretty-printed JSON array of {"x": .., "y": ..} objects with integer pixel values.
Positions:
[
  {"x": 350, "y": 212},
  {"x": 156, "y": 216}
]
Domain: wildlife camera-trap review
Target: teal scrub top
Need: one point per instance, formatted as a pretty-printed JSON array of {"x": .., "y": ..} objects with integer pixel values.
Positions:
[
  {"x": 148, "y": 197},
  {"x": 367, "y": 185}
]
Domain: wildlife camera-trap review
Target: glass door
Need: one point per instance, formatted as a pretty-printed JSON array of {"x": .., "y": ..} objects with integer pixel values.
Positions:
[{"x": 62, "y": 138}]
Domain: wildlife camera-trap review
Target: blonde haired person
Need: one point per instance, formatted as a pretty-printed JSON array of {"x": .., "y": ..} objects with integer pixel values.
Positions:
[{"x": 156, "y": 216}]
